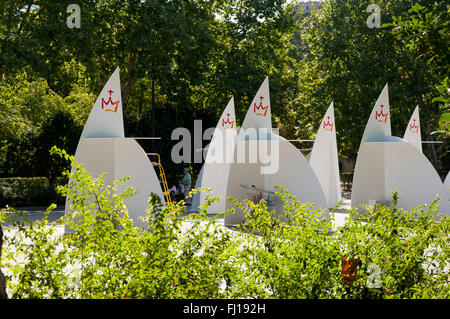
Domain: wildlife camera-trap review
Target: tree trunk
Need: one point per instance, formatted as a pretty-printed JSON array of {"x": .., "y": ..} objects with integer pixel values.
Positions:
[
  {"x": 128, "y": 81},
  {"x": 3, "y": 294}
]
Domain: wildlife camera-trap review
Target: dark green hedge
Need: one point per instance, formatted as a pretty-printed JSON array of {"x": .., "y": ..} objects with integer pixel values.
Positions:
[{"x": 29, "y": 191}]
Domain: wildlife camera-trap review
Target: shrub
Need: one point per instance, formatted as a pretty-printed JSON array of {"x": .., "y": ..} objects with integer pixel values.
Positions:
[
  {"x": 106, "y": 257},
  {"x": 33, "y": 118},
  {"x": 29, "y": 191},
  {"x": 383, "y": 253}
]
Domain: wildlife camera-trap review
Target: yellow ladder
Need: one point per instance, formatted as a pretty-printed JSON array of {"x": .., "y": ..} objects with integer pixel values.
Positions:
[{"x": 163, "y": 178}]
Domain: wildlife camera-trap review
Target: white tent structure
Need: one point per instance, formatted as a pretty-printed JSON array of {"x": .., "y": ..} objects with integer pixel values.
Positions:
[
  {"x": 263, "y": 159},
  {"x": 324, "y": 158},
  {"x": 412, "y": 132},
  {"x": 196, "y": 197},
  {"x": 413, "y": 136},
  {"x": 103, "y": 148},
  {"x": 215, "y": 172},
  {"x": 447, "y": 184},
  {"x": 386, "y": 163}
]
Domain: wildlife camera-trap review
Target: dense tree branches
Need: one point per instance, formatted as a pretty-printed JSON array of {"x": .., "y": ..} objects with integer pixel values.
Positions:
[{"x": 187, "y": 58}]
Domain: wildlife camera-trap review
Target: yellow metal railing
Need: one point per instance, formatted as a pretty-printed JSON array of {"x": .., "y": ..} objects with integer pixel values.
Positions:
[{"x": 163, "y": 178}]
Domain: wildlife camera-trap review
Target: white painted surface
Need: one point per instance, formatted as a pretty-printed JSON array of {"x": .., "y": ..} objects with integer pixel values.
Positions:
[
  {"x": 251, "y": 166},
  {"x": 294, "y": 173},
  {"x": 324, "y": 158},
  {"x": 220, "y": 155},
  {"x": 106, "y": 119},
  {"x": 119, "y": 158},
  {"x": 379, "y": 123},
  {"x": 447, "y": 184},
  {"x": 385, "y": 166},
  {"x": 386, "y": 163},
  {"x": 104, "y": 149},
  {"x": 412, "y": 132},
  {"x": 259, "y": 114}
]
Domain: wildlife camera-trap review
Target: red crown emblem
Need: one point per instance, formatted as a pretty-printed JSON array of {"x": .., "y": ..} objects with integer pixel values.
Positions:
[
  {"x": 260, "y": 110},
  {"x": 227, "y": 124},
  {"x": 110, "y": 106},
  {"x": 381, "y": 117},
  {"x": 327, "y": 125},
  {"x": 413, "y": 127}
]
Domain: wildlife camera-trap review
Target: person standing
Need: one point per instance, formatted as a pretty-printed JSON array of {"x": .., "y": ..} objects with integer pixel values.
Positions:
[{"x": 187, "y": 181}]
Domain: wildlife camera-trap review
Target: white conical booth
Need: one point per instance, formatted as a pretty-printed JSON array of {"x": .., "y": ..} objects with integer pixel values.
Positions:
[
  {"x": 386, "y": 163},
  {"x": 447, "y": 184},
  {"x": 412, "y": 132},
  {"x": 263, "y": 159},
  {"x": 215, "y": 171},
  {"x": 324, "y": 158},
  {"x": 103, "y": 148},
  {"x": 196, "y": 197}
]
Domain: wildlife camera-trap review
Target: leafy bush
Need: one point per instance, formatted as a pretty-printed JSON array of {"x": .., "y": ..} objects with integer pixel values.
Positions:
[
  {"x": 383, "y": 253},
  {"x": 29, "y": 191},
  {"x": 114, "y": 259},
  {"x": 33, "y": 118}
]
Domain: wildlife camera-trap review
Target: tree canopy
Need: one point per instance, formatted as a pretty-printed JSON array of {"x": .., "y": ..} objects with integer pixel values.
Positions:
[{"x": 184, "y": 59}]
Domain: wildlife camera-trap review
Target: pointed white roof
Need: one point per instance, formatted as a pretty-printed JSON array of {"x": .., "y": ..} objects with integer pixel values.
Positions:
[
  {"x": 324, "y": 158},
  {"x": 222, "y": 144},
  {"x": 259, "y": 113},
  {"x": 383, "y": 167},
  {"x": 265, "y": 159},
  {"x": 412, "y": 133},
  {"x": 386, "y": 163},
  {"x": 103, "y": 148},
  {"x": 379, "y": 123},
  {"x": 106, "y": 119},
  {"x": 220, "y": 155}
]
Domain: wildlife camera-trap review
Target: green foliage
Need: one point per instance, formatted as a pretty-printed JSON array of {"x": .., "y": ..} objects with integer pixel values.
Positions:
[
  {"x": 33, "y": 118},
  {"x": 349, "y": 63},
  {"x": 300, "y": 254},
  {"x": 28, "y": 191},
  {"x": 13, "y": 191},
  {"x": 196, "y": 54},
  {"x": 410, "y": 251},
  {"x": 25, "y": 104},
  {"x": 59, "y": 130},
  {"x": 186, "y": 58},
  {"x": 425, "y": 33}
]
